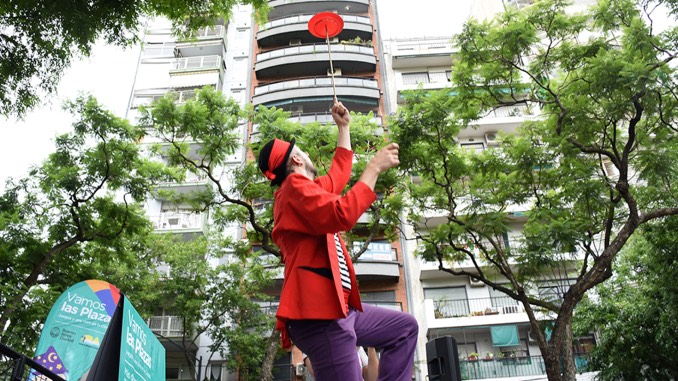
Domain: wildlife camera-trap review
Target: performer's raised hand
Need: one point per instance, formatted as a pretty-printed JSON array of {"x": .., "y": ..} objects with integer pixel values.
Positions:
[{"x": 341, "y": 115}]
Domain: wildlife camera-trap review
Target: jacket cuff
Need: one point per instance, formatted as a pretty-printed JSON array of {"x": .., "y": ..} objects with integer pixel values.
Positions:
[{"x": 365, "y": 192}]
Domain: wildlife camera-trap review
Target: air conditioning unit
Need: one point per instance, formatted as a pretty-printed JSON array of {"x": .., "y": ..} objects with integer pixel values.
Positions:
[
  {"x": 491, "y": 139},
  {"x": 511, "y": 309},
  {"x": 299, "y": 369},
  {"x": 337, "y": 72},
  {"x": 475, "y": 283},
  {"x": 531, "y": 337},
  {"x": 296, "y": 109},
  {"x": 295, "y": 41}
]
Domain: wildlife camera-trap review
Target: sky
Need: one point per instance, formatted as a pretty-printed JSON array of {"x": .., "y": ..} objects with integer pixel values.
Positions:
[{"x": 108, "y": 74}]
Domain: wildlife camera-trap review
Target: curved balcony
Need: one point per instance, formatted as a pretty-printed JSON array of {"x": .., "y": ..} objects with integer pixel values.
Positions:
[
  {"x": 295, "y": 28},
  {"x": 282, "y": 8},
  {"x": 357, "y": 90},
  {"x": 307, "y": 60}
]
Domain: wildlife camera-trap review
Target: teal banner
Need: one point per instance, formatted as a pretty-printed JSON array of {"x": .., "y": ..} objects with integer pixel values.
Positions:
[
  {"x": 75, "y": 327},
  {"x": 142, "y": 356}
]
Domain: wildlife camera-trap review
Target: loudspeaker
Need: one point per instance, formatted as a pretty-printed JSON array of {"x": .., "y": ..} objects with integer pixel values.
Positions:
[{"x": 442, "y": 357}]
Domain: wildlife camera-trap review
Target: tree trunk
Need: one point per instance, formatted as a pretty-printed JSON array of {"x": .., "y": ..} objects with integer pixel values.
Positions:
[
  {"x": 569, "y": 370},
  {"x": 557, "y": 354},
  {"x": 271, "y": 351},
  {"x": 552, "y": 363}
]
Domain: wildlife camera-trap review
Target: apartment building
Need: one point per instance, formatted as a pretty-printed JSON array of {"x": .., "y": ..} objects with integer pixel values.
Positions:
[
  {"x": 492, "y": 330},
  {"x": 291, "y": 70},
  {"x": 218, "y": 56}
]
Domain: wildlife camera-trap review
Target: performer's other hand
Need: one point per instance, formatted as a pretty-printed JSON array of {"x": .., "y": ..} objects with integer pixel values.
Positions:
[
  {"x": 386, "y": 158},
  {"x": 341, "y": 115}
]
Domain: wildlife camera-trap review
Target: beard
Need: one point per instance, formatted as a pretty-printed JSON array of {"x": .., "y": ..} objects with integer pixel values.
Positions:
[{"x": 311, "y": 169}]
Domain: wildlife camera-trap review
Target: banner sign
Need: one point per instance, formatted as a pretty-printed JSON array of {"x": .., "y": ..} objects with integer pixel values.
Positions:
[
  {"x": 142, "y": 356},
  {"x": 75, "y": 327},
  {"x": 376, "y": 251}
]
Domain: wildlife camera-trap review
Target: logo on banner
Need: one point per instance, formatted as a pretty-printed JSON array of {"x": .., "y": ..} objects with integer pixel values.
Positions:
[{"x": 75, "y": 327}]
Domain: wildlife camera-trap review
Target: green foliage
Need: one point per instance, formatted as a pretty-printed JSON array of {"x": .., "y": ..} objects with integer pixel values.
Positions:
[
  {"x": 38, "y": 39},
  {"x": 577, "y": 180},
  {"x": 204, "y": 137},
  {"x": 636, "y": 312},
  {"x": 75, "y": 217}
]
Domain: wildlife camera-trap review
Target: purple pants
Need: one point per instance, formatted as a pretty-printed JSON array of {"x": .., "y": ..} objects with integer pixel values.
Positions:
[{"x": 331, "y": 344}]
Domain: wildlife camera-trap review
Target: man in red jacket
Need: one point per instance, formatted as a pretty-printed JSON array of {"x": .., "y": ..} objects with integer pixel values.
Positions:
[{"x": 320, "y": 306}]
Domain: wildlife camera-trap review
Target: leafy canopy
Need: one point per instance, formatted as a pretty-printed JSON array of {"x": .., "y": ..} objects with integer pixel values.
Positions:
[{"x": 38, "y": 38}]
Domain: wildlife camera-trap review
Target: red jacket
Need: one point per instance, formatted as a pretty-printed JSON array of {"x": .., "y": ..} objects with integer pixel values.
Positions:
[{"x": 306, "y": 215}]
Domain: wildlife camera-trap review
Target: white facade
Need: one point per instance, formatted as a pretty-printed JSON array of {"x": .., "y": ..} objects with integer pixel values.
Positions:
[
  {"x": 458, "y": 306},
  {"x": 218, "y": 57}
]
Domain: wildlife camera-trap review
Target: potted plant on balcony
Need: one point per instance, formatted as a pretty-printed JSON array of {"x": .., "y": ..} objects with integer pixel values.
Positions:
[
  {"x": 489, "y": 355},
  {"x": 473, "y": 356}
]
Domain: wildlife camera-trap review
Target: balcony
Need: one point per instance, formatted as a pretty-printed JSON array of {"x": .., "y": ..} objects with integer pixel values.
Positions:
[
  {"x": 208, "y": 41},
  {"x": 313, "y": 59},
  {"x": 378, "y": 262},
  {"x": 319, "y": 89},
  {"x": 473, "y": 312},
  {"x": 196, "y": 72},
  {"x": 282, "y": 8},
  {"x": 482, "y": 369},
  {"x": 295, "y": 28},
  {"x": 423, "y": 53},
  {"x": 180, "y": 97},
  {"x": 191, "y": 183},
  {"x": 322, "y": 118},
  {"x": 180, "y": 222}
]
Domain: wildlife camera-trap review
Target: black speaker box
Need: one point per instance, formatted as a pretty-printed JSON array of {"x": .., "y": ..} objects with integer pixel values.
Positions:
[{"x": 442, "y": 357}]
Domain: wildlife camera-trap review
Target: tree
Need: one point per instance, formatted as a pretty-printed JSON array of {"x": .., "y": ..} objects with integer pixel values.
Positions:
[
  {"x": 76, "y": 216},
  {"x": 202, "y": 136},
  {"x": 38, "y": 39},
  {"x": 599, "y": 161},
  {"x": 636, "y": 311}
]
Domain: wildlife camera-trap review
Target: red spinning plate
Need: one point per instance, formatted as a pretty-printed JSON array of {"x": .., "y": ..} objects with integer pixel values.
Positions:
[{"x": 325, "y": 24}]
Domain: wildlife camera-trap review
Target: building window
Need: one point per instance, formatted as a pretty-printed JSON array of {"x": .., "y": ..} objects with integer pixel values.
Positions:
[
  {"x": 383, "y": 299},
  {"x": 415, "y": 78},
  {"x": 473, "y": 146},
  {"x": 499, "y": 299},
  {"x": 554, "y": 290},
  {"x": 216, "y": 371},
  {"x": 282, "y": 370},
  {"x": 448, "y": 301}
]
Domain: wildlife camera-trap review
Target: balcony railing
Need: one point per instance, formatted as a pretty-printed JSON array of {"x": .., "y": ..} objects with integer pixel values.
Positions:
[
  {"x": 201, "y": 62},
  {"x": 313, "y": 82},
  {"x": 213, "y": 31},
  {"x": 511, "y": 367},
  {"x": 304, "y": 19},
  {"x": 451, "y": 308},
  {"x": 312, "y": 49},
  {"x": 169, "y": 326},
  {"x": 176, "y": 221},
  {"x": 323, "y": 118},
  {"x": 511, "y": 111},
  {"x": 421, "y": 46},
  {"x": 191, "y": 178},
  {"x": 398, "y": 306}
]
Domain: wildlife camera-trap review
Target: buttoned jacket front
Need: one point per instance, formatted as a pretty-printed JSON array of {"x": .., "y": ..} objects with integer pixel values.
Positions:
[{"x": 307, "y": 213}]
